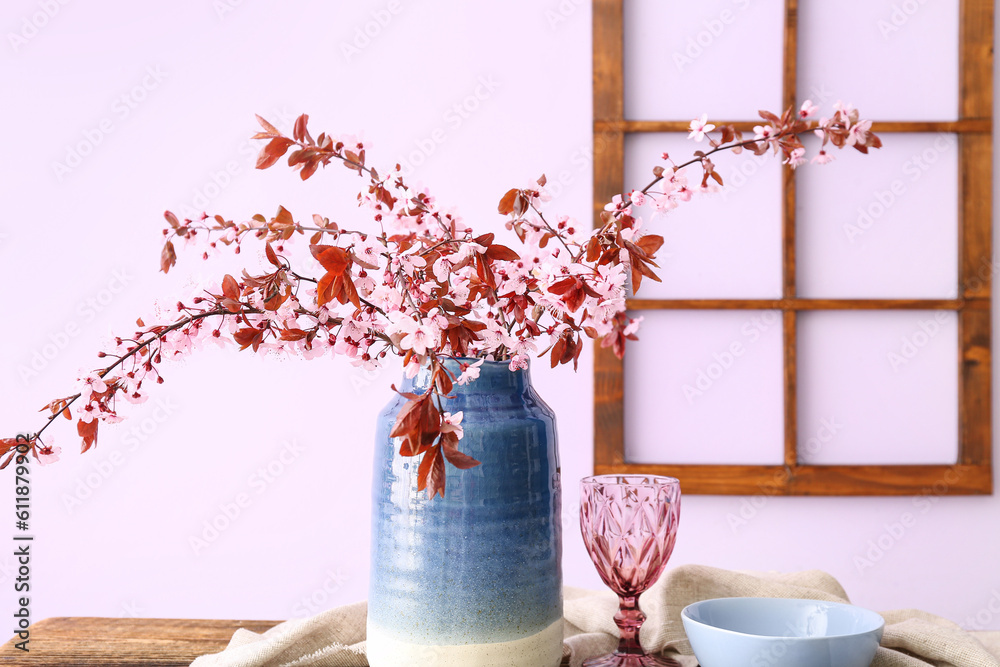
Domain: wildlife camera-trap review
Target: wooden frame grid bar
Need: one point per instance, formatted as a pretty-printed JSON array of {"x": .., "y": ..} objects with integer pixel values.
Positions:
[{"x": 972, "y": 472}]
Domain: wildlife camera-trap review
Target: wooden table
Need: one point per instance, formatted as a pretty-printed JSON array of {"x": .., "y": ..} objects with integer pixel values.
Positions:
[{"x": 123, "y": 642}]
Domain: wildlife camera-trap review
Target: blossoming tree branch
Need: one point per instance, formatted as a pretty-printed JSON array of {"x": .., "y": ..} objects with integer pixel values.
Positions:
[{"x": 420, "y": 284}]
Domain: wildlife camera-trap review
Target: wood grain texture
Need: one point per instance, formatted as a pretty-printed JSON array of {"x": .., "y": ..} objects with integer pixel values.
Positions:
[
  {"x": 976, "y": 265},
  {"x": 124, "y": 642},
  {"x": 964, "y": 126},
  {"x": 975, "y": 391},
  {"x": 810, "y": 480},
  {"x": 789, "y": 329},
  {"x": 608, "y": 62},
  {"x": 789, "y": 333},
  {"x": 609, "y": 180},
  {"x": 809, "y": 304},
  {"x": 976, "y": 61}
]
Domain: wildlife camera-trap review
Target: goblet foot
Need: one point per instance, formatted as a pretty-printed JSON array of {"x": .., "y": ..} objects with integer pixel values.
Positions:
[{"x": 630, "y": 660}]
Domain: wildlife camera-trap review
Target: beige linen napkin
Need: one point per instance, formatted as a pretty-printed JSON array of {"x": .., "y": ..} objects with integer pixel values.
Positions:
[{"x": 912, "y": 638}]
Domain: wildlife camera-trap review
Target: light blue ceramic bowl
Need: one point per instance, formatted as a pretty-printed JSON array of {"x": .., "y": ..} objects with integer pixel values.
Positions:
[{"x": 774, "y": 632}]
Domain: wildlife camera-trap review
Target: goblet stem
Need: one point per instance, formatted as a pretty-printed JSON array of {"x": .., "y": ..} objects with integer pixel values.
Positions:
[{"x": 629, "y": 619}]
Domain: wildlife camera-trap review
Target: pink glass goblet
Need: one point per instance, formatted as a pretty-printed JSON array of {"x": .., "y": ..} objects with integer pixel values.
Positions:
[{"x": 629, "y": 525}]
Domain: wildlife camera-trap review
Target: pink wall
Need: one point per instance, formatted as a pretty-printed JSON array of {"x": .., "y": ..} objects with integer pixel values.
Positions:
[{"x": 477, "y": 97}]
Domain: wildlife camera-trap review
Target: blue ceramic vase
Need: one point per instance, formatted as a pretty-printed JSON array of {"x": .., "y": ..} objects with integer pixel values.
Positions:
[{"x": 474, "y": 578}]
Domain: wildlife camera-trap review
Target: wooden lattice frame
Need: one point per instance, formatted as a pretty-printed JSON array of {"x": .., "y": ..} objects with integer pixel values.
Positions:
[{"x": 972, "y": 472}]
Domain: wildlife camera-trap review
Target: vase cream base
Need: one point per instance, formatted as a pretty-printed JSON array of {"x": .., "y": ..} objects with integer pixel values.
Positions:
[{"x": 543, "y": 649}]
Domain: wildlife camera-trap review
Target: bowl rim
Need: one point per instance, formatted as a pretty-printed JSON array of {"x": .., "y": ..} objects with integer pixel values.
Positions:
[{"x": 686, "y": 617}]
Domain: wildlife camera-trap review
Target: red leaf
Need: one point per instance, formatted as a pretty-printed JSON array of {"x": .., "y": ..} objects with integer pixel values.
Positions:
[
  {"x": 232, "y": 305},
  {"x": 593, "y": 249},
  {"x": 557, "y": 352},
  {"x": 171, "y": 219},
  {"x": 293, "y": 334},
  {"x": 355, "y": 161},
  {"x": 458, "y": 459},
  {"x": 564, "y": 285},
  {"x": 636, "y": 276},
  {"x": 267, "y": 126},
  {"x": 407, "y": 419},
  {"x": 87, "y": 431},
  {"x": 444, "y": 383},
  {"x": 168, "y": 257},
  {"x": 410, "y": 446},
  {"x": 770, "y": 117},
  {"x": 309, "y": 169},
  {"x": 575, "y": 298},
  {"x": 333, "y": 259},
  {"x": 7, "y": 461},
  {"x": 431, "y": 475},
  {"x": 301, "y": 133},
  {"x": 230, "y": 287},
  {"x": 650, "y": 244},
  {"x": 300, "y": 155},
  {"x": 350, "y": 292},
  {"x": 275, "y": 300},
  {"x": 7, "y": 444},
  {"x": 271, "y": 257},
  {"x": 273, "y": 152},
  {"x": 328, "y": 288},
  {"x": 502, "y": 252},
  {"x": 248, "y": 336},
  {"x": 283, "y": 218},
  {"x": 506, "y": 206}
]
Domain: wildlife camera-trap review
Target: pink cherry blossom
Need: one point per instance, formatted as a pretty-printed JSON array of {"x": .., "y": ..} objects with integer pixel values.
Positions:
[
  {"x": 442, "y": 268},
  {"x": 858, "y": 133},
  {"x": 411, "y": 369},
  {"x": 470, "y": 372},
  {"x": 47, "y": 454},
  {"x": 633, "y": 325},
  {"x": 699, "y": 127},
  {"x": 518, "y": 362},
  {"x": 347, "y": 347},
  {"x": 88, "y": 412},
  {"x": 616, "y": 205},
  {"x": 797, "y": 158},
  {"x": 808, "y": 110},
  {"x": 91, "y": 384},
  {"x": 844, "y": 108},
  {"x": 451, "y": 423},
  {"x": 416, "y": 336},
  {"x": 823, "y": 158},
  {"x": 664, "y": 204},
  {"x": 368, "y": 251},
  {"x": 638, "y": 198},
  {"x": 764, "y": 132},
  {"x": 136, "y": 397}
]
